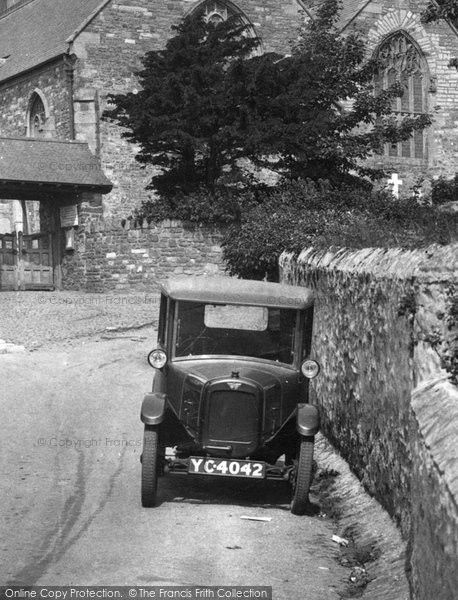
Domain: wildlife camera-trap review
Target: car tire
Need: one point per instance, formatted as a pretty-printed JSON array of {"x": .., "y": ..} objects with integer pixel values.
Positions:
[
  {"x": 303, "y": 478},
  {"x": 150, "y": 466}
]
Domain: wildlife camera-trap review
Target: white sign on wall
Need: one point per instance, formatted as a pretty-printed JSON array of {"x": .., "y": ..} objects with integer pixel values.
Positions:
[{"x": 69, "y": 215}]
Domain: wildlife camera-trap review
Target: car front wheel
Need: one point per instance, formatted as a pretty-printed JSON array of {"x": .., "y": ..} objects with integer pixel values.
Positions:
[
  {"x": 303, "y": 477},
  {"x": 150, "y": 465}
]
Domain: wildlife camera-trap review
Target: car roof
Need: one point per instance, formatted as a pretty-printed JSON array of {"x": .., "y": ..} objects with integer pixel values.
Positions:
[{"x": 229, "y": 290}]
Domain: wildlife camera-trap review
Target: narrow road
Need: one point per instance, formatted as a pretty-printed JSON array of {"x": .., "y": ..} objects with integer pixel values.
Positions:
[{"x": 69, "y": 480}]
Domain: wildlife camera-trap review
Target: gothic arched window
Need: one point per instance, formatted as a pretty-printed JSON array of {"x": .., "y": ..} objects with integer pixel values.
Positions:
[
  {"x": 215, "y": 12},
  {"x": 37, "y": 116},
  {"x": 401, "y": 60}
]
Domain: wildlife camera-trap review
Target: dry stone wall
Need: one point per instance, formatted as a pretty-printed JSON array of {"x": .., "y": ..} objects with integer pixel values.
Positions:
[{"x": 386, "y": 335}]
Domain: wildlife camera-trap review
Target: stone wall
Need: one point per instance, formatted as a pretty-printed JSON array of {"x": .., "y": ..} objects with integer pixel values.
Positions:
[
  {"x": 435, "y": 491},
  {"x": 114, "y": 255},
  {"x": 385, "y": 332}
]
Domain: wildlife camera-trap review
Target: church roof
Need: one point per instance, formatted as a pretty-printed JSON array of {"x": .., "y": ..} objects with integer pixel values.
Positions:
[
  {"x": 36, "y": 162},
  {"x": 350, "y": 9},
  {"x": 37, "y": 31}
]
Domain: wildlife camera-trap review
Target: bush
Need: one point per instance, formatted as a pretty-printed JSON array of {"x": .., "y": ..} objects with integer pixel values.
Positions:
[
  {"x": 220, "y": 207},
  {"x": 251, "y": 248},
  {"x": 305, "y": 214},
  {"x": 444, "y": 190}
]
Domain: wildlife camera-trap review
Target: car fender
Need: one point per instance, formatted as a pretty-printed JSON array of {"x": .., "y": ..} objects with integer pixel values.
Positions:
[
  {"x": 308, "y": 419},
  {"x": 153, "y": 408}
]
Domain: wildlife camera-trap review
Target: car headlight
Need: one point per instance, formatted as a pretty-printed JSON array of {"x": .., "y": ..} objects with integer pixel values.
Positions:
[
  {"x": 157, "y": 358},
  {"x": 310, "y": 368}
]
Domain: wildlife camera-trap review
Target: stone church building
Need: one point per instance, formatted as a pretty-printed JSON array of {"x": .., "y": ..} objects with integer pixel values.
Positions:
[{"x": 69, "y": 182}]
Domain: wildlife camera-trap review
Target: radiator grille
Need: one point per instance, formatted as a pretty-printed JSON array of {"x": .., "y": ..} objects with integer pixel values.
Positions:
[{"x": 232, "y": 417}]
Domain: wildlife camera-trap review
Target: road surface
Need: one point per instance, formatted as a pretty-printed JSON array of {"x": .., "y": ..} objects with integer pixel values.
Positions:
[{"x": 70, "y": 483}]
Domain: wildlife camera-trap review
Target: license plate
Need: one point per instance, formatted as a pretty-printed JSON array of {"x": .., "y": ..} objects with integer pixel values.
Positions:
[{"x": 226, "y": 468}]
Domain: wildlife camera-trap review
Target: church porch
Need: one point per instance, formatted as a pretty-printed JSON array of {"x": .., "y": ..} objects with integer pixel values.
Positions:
[{"x": 44, "y": 185}]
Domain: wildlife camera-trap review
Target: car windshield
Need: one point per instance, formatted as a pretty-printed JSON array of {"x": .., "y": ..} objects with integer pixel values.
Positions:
[{"x": 253, "y": 331}]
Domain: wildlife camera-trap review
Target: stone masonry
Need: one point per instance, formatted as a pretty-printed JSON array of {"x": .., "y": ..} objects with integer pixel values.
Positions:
[
  {"x": 109, "y": 54},
  {"x": 386, "y": 389},
  {"x": 438, "y": 43},
  {"x": 104, "y": 54},
  {"x": 52, "y": 81},
  {"x": 124, "y": 255}
]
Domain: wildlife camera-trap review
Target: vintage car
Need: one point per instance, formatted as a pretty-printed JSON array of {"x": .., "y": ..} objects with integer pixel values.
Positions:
[{"x": 230, "y": 393}]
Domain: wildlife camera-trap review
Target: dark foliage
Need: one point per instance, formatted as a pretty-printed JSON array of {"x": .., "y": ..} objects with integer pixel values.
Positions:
[
  {"x": 444, "y": 190},
  {"x": 183, "y": 117},
  {"x": 210, "y": 111},
  {"x": 305, "y": 214},
  {"x": 442, "y": 9},
  {"x": 200, "y": 206},
  {"x": 296, "y": 112}
]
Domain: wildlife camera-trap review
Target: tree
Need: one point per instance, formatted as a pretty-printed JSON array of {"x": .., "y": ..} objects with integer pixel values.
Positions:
[
  {"x": 209, "y": 107},
  {"x": 182, "y": 117},
  {"x": 442, "y": 9},
  {"x": 313, "y": 114}
]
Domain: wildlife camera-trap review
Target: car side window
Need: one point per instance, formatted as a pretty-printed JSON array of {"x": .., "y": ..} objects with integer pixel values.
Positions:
[
  {"x": 281, "y": 327},
  {"x": 162, "y": 321}
]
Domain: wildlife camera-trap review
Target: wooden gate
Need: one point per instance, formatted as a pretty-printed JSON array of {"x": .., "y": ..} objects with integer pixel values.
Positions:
[
  {"x": 8, "y": 261},
  {"x": 26, "y": 262}
]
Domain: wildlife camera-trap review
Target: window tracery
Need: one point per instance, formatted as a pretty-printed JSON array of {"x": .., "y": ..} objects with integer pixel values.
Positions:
[
  {"x": 37, "y": 117},
  {"x": 400, "y": 60},
  {"x": 216, "y": 12}
]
